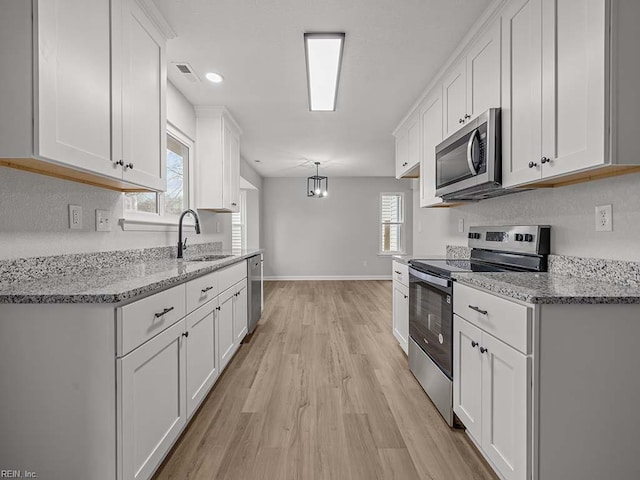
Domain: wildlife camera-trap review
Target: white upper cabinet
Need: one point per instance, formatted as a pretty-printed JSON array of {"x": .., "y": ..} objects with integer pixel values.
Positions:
[
  {"x": 472, "y": 85},
  {"x": 567, "y": 91},
  {"x": 431, "y": 130},
  {"x": 139, "y": 79},
  {"x": 96, "y": 111},
  {"x": 454, "y": 98},
  {"x": 73, "y": 83},
  {"x": 408, "y": 147},
  {"x": 217, "y": 178},
  {"x": 522, "y": 90},
  {"x": 483, "y": 71}
]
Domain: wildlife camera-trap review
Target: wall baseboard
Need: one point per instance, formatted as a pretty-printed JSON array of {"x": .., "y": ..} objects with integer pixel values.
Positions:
[{"x": 327, "y": 277}]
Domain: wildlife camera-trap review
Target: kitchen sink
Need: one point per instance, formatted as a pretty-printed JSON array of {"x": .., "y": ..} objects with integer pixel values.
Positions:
[{"x": 207, "y": 258}]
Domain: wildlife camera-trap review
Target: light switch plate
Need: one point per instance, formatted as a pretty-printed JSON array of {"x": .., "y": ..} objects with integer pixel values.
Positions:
[
  {"x": 75, "y": 217},
  {"x": 103, "y": 221}
]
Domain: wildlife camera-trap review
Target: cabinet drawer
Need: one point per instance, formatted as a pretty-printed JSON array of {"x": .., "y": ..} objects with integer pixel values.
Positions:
[
  {"x": 505, "y": 320},
  {"x": 201, "y": 290},
  {"x": 401, "y": 273},
  {"x": 229, "y": 276},
  {"x": 144, "y": 319}
]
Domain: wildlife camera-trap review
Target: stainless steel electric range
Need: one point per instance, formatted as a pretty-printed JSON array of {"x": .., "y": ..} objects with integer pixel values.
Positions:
[{"x": 494, "y": 249}]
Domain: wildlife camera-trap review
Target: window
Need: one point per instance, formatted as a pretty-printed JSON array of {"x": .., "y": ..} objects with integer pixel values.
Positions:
[
  {"x": 163, "y": 208},
  {"x": 238, "y": 224},
  {"x": 391, "y": 223}
]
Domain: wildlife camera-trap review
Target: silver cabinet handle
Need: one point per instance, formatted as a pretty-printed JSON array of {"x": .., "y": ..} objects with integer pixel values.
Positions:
[
  {"x": 164, "y": 312},
  {"x": 482, "y": 312},
  {"x": 205, "y": 290},
  {"x": 544, "y": 160}
]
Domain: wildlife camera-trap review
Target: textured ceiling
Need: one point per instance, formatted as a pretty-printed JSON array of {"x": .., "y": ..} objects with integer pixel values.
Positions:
[{"x": 393, "y": 48}]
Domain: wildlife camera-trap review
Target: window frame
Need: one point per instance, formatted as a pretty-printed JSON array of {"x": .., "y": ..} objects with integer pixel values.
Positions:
[
  {"x": 401, "y": 223},
  {"x": 159, "y": 221},
  {"x": 243, "y": 216}
]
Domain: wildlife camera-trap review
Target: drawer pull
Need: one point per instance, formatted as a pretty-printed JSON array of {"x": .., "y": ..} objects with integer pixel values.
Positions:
[
  {"x": 482, "y": 312},
  {"x": 399, "y": 273},
  {"x": 205, "y": 290},
  {"x": 474, "y": 344},
  {"x": 164, "y": 312},
  {"x": 483, "y": 350}
]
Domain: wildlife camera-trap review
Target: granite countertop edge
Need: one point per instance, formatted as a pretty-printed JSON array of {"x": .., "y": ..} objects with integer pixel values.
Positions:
[
  {"x": 197, "y": 269},
  {"x": 564, "y": 290}
]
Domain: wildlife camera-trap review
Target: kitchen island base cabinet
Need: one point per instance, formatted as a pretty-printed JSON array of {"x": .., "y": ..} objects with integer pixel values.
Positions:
[{"x": 152, "y": 407}]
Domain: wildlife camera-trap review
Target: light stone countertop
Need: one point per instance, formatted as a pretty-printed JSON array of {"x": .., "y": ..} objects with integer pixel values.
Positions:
[
  {"x": 116, "y": 284},
  {"x": 550, "y": 288}
]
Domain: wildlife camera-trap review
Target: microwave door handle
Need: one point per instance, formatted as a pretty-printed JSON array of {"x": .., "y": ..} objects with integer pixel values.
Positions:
[{"x": 472, "y": 137}]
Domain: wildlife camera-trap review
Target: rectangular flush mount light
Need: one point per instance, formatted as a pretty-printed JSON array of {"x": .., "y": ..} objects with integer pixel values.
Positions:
[{"x": 324, "y": 56}]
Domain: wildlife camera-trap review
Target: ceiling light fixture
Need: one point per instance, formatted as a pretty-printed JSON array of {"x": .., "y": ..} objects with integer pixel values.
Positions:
[
  {"x": 317, "y": 186},
  {"x": 214, "y": 77},
  {"x": 323, "y": 52}
]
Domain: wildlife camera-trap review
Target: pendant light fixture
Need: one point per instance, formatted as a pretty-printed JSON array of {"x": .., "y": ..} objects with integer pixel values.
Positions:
[{"x": 317, "y": 186}]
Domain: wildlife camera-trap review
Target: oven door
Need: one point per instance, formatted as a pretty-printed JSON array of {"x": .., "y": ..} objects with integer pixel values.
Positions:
[{"x": 431, "y": 317}]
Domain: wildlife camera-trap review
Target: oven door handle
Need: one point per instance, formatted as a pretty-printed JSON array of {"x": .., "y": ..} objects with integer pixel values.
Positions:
[{"x": 443, "y": 282}]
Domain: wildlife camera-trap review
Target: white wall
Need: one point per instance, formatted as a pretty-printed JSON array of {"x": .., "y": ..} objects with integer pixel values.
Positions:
[
  {"x": 34, "y": 210},
  {"x": 569, "y": 210},
  {"x": 333, "y": 236},
  {"x": 254, "y": 204}
]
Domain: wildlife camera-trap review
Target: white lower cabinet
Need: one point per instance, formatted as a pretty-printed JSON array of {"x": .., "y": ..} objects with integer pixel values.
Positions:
[
  {"x": 202, "y": 358},
  {"x": 400, "y": 319},
  {"x": 240, "y": 313},
  {"x": 490, "y": 394},
  {"x": 225, "y": 328},
  {"x": 152, "y": 404}
]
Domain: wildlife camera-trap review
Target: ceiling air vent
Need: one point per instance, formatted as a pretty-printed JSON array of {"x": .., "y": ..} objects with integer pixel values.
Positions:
[{"x": 187, "y": 71}]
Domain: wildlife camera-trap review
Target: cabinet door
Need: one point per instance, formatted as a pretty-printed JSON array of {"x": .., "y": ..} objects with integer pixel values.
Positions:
[
  {"x": 232, "y": 182},
  {"x": 454, "y": 98},
  {"x": 505, "y": 389},
  {"x": 573, "y": 56},
  {"x": 402, "y": 152},
  {"x": 483, "y": 71},
  {"x": 240, "y": 313},
  {"x": 467, "y": 376},
  {"x": 431, "y": 125},
  {"x": 202, "y": 360},
  {"x": 401, "y": 315},
  {"x": 521, "y": 91},
  {"x": 140, "y": 71},
  {"x": 225, "y": 328},
  {"x": 152, "y": 402},
  {"x": 73, "y": 106}
]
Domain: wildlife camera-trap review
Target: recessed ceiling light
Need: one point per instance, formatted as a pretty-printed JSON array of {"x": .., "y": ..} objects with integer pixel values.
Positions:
[
  {"x": 214, "y": 77},
  {"x": 324, "y": 55}
]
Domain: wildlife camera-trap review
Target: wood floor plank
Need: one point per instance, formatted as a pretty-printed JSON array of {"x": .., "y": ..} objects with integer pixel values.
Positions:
[{"x": 322, "y": 391}]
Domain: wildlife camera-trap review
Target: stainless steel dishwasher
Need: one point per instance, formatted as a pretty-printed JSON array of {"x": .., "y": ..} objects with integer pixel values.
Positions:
[{"x": 254, "y": 290}]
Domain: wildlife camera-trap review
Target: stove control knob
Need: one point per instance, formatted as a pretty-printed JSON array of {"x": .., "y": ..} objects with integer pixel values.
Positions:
[
  {"x": 528, "y": 237},
  {"x": 471, "y": 235},
  {"x": 518, "y": 237},
  {"x": 476, "y": 236}
]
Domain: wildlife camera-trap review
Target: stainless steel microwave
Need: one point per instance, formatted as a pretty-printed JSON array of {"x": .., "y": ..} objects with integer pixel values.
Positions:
[{"x": 468, "y": 163}]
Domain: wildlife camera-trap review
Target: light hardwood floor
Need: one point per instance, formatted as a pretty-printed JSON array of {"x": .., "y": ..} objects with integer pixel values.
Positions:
[{"x": 322, "y": 391}]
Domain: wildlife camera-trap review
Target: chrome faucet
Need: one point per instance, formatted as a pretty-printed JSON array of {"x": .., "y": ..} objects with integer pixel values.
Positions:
[{"x": 183, "y": 245}]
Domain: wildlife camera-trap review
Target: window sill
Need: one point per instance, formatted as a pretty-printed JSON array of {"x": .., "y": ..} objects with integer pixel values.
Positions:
[
  {"x": 390, "y": 254},
  {"x": 156, "y": 224}
]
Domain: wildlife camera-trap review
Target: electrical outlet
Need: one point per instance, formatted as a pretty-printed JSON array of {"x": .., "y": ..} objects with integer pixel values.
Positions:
[
  {"x": 461, "y": 225},
  {"x": 218, "y": 227},
  {"x": 103, "y": 221},
  {"x": 604, "y": 218},
  {"x": 75, "y": 217}
]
